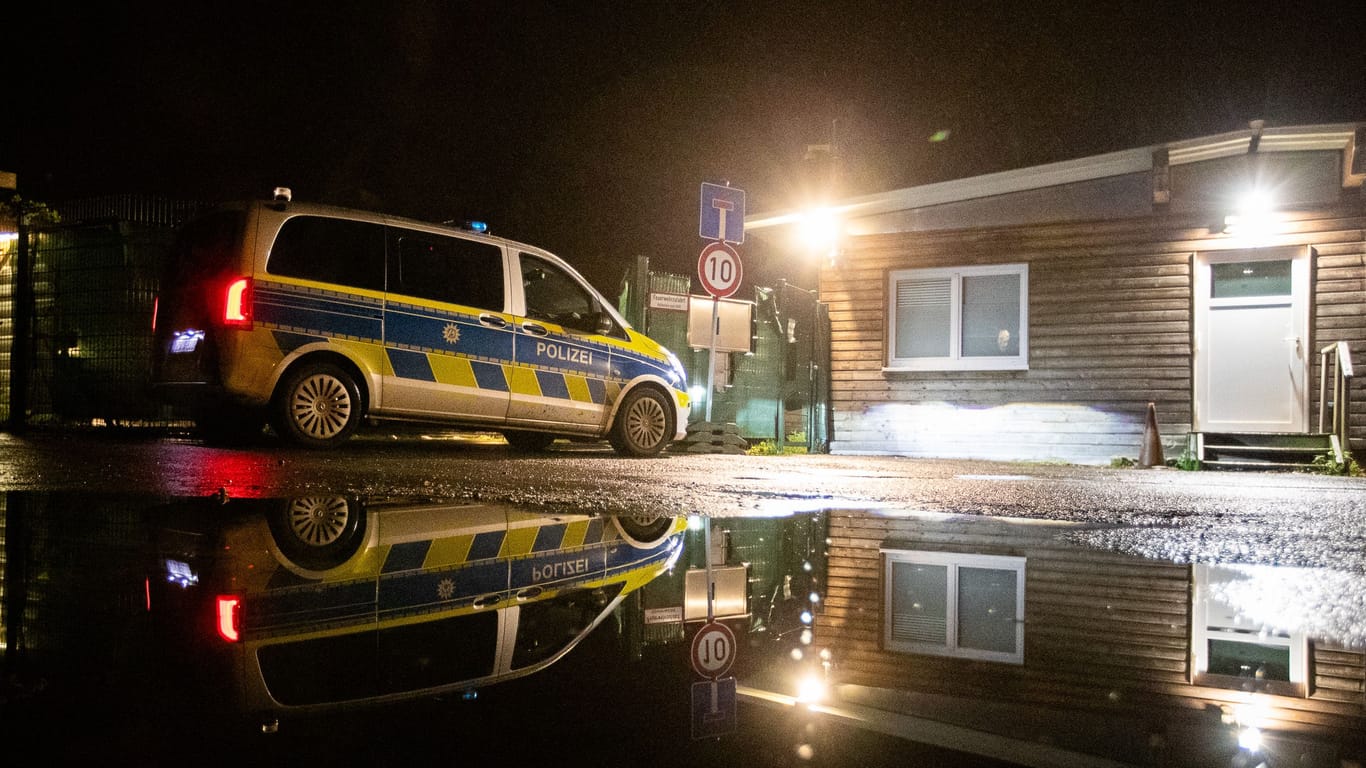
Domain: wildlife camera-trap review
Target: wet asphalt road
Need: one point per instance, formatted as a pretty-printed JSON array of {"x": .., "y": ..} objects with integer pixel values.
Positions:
[{"x": 1273, "y": 518}]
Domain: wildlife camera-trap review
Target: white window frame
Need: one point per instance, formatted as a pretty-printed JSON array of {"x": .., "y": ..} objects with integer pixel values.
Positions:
[
  {"x": 1209, "y": 622},
  {"x": 955, "y": 361},
  {"x": 953, "y": 561}
]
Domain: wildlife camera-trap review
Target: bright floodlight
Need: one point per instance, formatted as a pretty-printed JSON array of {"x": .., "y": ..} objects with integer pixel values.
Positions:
[
  {"x": 811, "y": 689},
  {"x": 819, "y": 230},
  {"x": 1254, "y": 203},
  {"x": 1255, "y": 216}
]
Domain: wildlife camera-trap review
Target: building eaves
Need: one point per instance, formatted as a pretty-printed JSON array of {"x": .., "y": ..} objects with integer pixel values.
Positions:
[{"x": 1340, "y": 137}]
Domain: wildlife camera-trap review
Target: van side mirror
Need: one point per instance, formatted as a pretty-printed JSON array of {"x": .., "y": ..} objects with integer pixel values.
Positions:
[{"x": 605, "y": 326}]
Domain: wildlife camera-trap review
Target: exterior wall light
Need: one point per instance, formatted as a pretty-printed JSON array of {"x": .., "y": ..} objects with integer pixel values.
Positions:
[
  {"x": 1255, "y": 217},
  {"x": 820, "y": 230}
]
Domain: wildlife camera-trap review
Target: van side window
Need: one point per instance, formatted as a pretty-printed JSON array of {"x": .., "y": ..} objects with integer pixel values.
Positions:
[
  {"x": 555, "y": 297},
  {"x": 330, "y": 250},
  {"x": 449, "y": 269}
]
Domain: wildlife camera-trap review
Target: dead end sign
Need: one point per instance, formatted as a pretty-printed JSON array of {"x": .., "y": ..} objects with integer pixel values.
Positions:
[{"x": 721, "y": 215}]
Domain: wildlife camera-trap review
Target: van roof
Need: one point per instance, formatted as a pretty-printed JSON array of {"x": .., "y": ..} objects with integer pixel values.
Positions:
[{"x": 342, "y": 212}]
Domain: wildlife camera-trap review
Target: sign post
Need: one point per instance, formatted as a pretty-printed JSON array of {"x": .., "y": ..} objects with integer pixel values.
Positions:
[
  {"x": 719, "y": 269},
  {"x": 713, "y": 700},
  {"x": 721, "y": 219}
]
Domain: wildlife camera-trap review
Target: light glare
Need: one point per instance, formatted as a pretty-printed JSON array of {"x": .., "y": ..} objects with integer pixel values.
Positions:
[{"x": 811, "y": 689}]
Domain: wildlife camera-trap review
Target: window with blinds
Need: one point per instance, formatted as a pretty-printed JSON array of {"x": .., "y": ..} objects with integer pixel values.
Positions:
[
  {"x": 954, "y": 604},
  {"x": 969, "y": 318}
]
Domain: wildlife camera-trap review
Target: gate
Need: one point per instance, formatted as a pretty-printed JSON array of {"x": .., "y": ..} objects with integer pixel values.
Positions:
[
  {"x": 779, "y": 390},
  {"x": 84, "y": 325}
]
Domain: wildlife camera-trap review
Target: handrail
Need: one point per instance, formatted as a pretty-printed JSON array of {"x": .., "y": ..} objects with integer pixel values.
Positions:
[{"x": 1342, "y": 390}]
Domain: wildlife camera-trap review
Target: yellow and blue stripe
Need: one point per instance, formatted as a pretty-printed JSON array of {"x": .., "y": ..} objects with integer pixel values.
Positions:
[{"x": 425, "y": 343}]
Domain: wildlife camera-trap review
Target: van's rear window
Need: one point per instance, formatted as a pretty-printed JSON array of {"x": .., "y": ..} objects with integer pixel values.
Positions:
[
  {"x": 340, "y": 251},
  {"x": 207, "y": 246}
]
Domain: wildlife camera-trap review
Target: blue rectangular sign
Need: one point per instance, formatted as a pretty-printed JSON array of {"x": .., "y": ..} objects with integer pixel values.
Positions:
[{"x": 722, "y": 213}]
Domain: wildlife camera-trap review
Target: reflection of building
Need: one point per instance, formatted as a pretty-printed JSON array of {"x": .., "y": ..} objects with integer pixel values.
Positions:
[
  {"x": 1035, "y": 313},
  {"x": 1003, "y": 627}
]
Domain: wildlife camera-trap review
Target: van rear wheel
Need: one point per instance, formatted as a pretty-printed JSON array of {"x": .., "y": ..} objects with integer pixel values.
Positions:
[
  {"x": 644, "y": 423},
  {"x": 318, "y": 406}
]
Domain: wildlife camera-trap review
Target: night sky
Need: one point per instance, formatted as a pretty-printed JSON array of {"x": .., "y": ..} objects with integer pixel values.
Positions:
[{"x": 587, "y": 127}]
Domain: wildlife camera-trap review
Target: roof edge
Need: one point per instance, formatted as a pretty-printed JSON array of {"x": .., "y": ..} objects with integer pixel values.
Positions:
[{"x": 1333, "y": 136}]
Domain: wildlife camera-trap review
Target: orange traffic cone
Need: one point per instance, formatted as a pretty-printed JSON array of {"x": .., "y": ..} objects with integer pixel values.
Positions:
[{"x": 1151, "y": 453}]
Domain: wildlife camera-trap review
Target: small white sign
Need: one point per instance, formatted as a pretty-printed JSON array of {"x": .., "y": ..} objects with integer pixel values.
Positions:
[
  {"x": 672, "y": 615},
  {"x": 673, "y": 301}
]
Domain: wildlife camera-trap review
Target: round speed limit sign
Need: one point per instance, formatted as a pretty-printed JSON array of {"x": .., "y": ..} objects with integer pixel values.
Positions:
[
  {"x": 713, "y": 650},
  {"x": 719, "y": 269}
]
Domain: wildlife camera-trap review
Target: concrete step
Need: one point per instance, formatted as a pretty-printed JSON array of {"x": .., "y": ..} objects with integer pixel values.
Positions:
[{"x": 1262, "y": 451}]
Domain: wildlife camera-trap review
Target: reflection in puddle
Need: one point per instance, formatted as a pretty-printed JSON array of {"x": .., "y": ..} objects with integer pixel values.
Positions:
[
  {"x": 975, "y": 620},
  {"x": 977, "y": 635}
]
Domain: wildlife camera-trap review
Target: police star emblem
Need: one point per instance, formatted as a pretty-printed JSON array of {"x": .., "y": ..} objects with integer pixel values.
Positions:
[
  {"x": 451, "y": 333},
  {"x": 445, "y": 589}
]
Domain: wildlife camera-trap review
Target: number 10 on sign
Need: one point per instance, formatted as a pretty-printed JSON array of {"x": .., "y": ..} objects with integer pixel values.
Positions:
[
  {"x": 713, "y": 650},
  {"x": 719, "y": 269}
]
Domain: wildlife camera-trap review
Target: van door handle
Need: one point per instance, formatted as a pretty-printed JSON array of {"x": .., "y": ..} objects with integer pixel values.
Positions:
[
  {"x": 493, "y": 321},
  {"x": 530, "y": 593},
  {"x": 486, "y": 601},
  {"x": 535, "y": 330}
]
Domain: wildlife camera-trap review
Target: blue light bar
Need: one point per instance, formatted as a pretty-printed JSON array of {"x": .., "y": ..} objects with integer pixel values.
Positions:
[{"x": 477, "y": 226}]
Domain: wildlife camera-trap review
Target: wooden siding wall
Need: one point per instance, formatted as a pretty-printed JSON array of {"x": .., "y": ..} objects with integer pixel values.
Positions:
[
  {"x": 1104, "y": 632},
  {"x": 1339, "y": 312},
  {"x": 1110, "y": 330}
]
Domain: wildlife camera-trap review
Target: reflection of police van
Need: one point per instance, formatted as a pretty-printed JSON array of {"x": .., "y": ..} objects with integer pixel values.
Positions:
[
  {"x": 317, "y": 318},
  {"x": 329, "y": 602}
]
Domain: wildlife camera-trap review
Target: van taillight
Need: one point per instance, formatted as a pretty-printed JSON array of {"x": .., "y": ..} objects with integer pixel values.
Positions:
[
  {"x": 229, "y": 617},
  {"x": 237, "y": 301}
]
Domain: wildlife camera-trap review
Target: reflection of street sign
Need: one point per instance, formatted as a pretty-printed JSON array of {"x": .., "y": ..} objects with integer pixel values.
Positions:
[
  {"x": 719, "y": 268},
  {"x": 713, "y": 650},
  {"x": 713, "y": 708},
  {"x": 722, "y": 213}
]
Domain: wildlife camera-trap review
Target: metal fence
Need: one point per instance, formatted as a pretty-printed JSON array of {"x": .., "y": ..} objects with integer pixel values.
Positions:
[
  {"x": 777, "y": 391},
  {"x": 80, "y": 337}
]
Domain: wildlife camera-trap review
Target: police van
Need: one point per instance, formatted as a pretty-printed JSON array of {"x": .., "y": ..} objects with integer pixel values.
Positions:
[
  {"x": 319, "y": 603},
  {"x": 316, "y": 319}
]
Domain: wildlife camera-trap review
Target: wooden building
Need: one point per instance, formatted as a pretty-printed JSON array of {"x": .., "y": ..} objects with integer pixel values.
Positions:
[
  {"x": 1004, "y": 626},
  {"x": 1036, "y": 314}
]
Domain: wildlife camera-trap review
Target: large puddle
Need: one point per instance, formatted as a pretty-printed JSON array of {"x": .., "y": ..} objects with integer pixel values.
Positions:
[{"x": 205, "y": 629}]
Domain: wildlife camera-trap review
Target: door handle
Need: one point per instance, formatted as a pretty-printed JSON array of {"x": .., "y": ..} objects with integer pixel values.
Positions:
[
  {"x": 535, "y": 329},
  {"x": 1299, "y": 346},
  {"x": 530, "y": 593},
  {"x": 486, "y": 601},
  {"x": 493, "y": 321}
]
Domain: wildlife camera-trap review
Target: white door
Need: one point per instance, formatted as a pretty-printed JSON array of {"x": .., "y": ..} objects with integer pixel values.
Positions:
[{"x": 1251, "y": 340}]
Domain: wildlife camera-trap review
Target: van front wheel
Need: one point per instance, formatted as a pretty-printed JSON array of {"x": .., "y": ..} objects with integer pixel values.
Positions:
[
  {"x": 318, "y": 406},
  {"x": 644, "y": 423}
]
